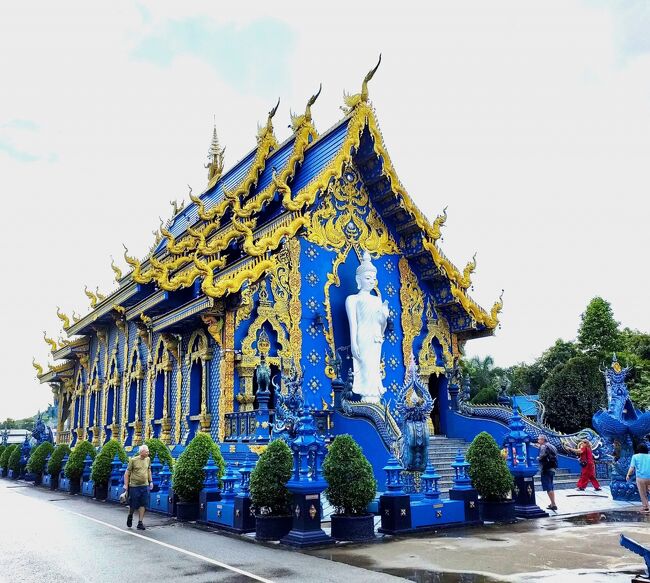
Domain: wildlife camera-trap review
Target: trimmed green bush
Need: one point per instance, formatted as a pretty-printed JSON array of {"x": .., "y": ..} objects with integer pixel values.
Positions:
[
  {"x": 269, "y": 493},
  {"x": 101, "y": 468},
  {"x": 54, "y": 465},
  {"x": 6, "y": 454},
  {"x": 188, "y": 475},
  {"x": 487, "y": 468},
  {"x": 14, "y": 460},
  {"x": 36, "y": 463},
  {"x": 75, "y": 466},
  {"x": 2, "y": 449},
  {"x": 351, "y": 484},
  {"x": 157, "y": 447}
]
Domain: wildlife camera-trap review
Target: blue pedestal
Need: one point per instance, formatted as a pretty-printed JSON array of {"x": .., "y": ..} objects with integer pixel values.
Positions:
[
  {"x": 432, "y": 513},
  {"x": 306, "y": 530},
  {"x": 160, "y": 502},
  {"x": 524, "y": 493},
  {"x": 88, "y": 488},
  {"x": 395, "y": 512},
  {"x": 64, "y": 484},
  {"x": 46, "y": 482},
  {"x": 469, "y": 498}
]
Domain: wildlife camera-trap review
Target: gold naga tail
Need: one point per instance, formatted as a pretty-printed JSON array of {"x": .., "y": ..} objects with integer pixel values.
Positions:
[
  {"x": 75, "y": 317},
  {"x": 63, "y": 318},
  {"x": 100, "y": 297},
  {"x": 91, "y": 296},
  {"x": 116, "y": 270},
  {"x": 297, "y": 121},
  {"x": 38, "y": 367},
  {"x": 51, "y": 342},
  {"x": 264, "y": 131},
  {"x": 352, "y": 101},
  {"x": 437, "y": 225},
  {"x": 466, "y": 280}
]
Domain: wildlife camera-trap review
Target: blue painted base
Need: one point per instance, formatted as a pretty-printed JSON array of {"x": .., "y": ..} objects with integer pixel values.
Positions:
[
  {"x": 306, "y": 530},
  {"x": 206, "y": 496},
  {"x": 524, "y": 492},
  {"x": 114, "y": 492},
  {"x": 232, "y": 515},
  {"x": 161, "y": 502},
  {"x": 64, "y": 484},
  {"x": 395, "y": 513},
  {"x": 469, "y": 498},
  {"x": 88, "y": 488},
  {"x": 430, "y": 513},
  {"x": 46, "y": 482}
]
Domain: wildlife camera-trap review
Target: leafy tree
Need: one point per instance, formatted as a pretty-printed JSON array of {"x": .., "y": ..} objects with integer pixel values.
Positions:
[
  {"x": 9, "y": 423},
  {"x": 269, "y": 479},
  {"x": 487, "y": 468},
  {"x": 598, "y": 334},
  {"x": 36, "y": 463},
  {"x": 573, "y": 393},
  {"x": 101, "y": 468},
  {"x": 54, "y": 465},
  {"x": 487, "y": 395},
  {"x": 482, "y": 373},
  {"x": 525, "y": 378},
  {"x": 75, "y": 466},
  {"x": 189, "y": 475},
  {"x": 14, "y": 461},
  {"x": 6, "y": 454},
  {"x": 351, "y": 482},
  {"x": 558, "y": 354},
  {"x": 157, "y": 447}
]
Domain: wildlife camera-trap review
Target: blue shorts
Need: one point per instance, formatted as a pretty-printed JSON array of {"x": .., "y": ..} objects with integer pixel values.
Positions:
[
  {"x": 138, "y": 496},
  {"x": 547, "y": 480}
]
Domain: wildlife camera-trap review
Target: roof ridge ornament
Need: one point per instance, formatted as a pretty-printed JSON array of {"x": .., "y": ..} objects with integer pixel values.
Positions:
[
  {"x": 267, "y": 130},
  {"x": 91, "y": 296},
  {"x": 65, "y": 319},
  {"x": 438, "y": 224},
  {"x": 116, "y": 270},
  {"x": 215, "y": 156},
  {"x": 51, "y": 342},
  {"x": 353, "y": 101},
  {"x": 38, "y": 367},
  {"x": 298, "y": 121}
]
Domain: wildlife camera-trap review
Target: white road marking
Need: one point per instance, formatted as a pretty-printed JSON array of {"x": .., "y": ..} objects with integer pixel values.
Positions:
[{"x": 172, "y": 547}]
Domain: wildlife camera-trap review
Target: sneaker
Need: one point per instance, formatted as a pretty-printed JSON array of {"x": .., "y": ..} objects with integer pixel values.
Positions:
[
  {"x": 598, "y": 489},
  {"x": 141, "y": 526},
  {"x": 551, "y": 507},
  {"x": 129, "y": 520},
  {"x": 580, "y": 489}
]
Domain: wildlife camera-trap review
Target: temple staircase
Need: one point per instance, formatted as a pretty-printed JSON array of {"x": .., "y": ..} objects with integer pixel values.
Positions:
[{"x": 443, "y": 451}]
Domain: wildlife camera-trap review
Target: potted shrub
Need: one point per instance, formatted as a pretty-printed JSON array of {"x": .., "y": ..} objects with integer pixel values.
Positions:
[
  {"x": 54, "y": 465},
  {"x": 4, "y": 459},
  {"x": 158, "y": 448},
  {"x": 2, "y": 450},
  {"x": 269, "y": 494},
  {"x": 188, "y": 474},
  {"x": 75, "y": 466},
  {"x": 36, "y": 463},
  {"x": 351, "y": 486},
  {"x": 491, "y": 478},
  {"x": 14, "y": 463},
  {"x": 101, "y": 468}
]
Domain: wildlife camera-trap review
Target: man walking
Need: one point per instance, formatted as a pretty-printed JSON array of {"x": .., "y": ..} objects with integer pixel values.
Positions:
[
  {"x": 547, "y": 464},
  {"x": 137, "y": 483}
]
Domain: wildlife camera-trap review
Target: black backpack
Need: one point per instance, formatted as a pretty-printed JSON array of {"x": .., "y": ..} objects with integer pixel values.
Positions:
[{"x": 550, "y": 461}]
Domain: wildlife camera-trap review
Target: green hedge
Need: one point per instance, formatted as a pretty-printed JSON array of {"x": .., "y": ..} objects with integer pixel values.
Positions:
[
  {"x": 36, "y": 463},
  {"x": 75, "y": 466},
  {"x": 157, "y": 447},
  {"x": 54, "y": 465},
  {"x": 269, "y": 493},
  {"x": 14, "y": 460},
  {"x": 2, "y": 449},
  {"x": 188, "y": 475},
  {"x": 101, "y": 468},
  {"x": 351, "y": 482},
  {"x": 487, "y": 468},
  {"x": 6, "y": 454}
]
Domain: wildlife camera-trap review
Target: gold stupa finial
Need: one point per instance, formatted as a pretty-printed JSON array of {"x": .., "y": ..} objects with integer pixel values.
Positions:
[
  {"x": 215, "y": 157},
  {"x": 352, "y": 101}
]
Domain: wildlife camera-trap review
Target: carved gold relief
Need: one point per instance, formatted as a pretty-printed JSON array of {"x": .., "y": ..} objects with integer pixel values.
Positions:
[
  {"x": 412, "y": 302},
  {"x": 437, "y": 327}
]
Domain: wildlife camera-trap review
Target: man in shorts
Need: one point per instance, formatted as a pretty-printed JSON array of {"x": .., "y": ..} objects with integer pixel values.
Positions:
[
  {"x": 137, "y": 484},
  {"x": 547, "y": 453}
]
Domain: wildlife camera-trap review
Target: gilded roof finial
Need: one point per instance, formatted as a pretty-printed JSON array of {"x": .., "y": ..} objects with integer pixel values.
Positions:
[
  {"x": 352, "y": 101},
  {"x": 91, "y": 296},
  {"x": 496, "y": 308},
  {"x": 438, "y": 223},
  {"x": 51, "y": 342},
  {"x": 466, "y": 280},
  {"x": 100, "y": 297},
  {"x": 176, "y": 208},
  {"x": 63, "y": 318},
  {"x": 265, "y": 131},
  {"x": 38, "y": 367},
  {"x": 298, "y": 121},
  {"x": 75, "y": 317},
  {"x": 116, "y": 270},
  {"x": 215, "y": 157}
]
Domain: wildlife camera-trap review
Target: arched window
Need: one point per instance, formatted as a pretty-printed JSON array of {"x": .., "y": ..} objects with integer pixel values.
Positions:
[{"x": 199, "y": 354}]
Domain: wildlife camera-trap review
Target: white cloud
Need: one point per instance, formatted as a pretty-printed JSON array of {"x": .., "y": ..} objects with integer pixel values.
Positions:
[{"x": 530, "y": 122}]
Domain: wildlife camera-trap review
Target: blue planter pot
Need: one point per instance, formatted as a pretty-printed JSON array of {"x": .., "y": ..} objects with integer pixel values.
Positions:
[
  {"x": 272, "y": 527},
  {"x": 354, "y": 528},
  {"x": 503, "y": 511}
]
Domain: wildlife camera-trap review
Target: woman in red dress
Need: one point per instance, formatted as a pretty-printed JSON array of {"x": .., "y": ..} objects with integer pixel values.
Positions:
[{"x": 588, "y": 465}]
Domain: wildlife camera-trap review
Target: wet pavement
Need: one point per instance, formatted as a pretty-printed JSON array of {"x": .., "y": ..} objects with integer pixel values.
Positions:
[{"x": 578, "y": 544}]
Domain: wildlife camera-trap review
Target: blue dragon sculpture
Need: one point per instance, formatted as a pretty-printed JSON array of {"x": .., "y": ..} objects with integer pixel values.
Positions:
[
  {"x": 414, "y": 405},
  {"x": 622, "y": 426},
  {"x": 289, "y": 407},
  {"x": 41, "y": 432}
]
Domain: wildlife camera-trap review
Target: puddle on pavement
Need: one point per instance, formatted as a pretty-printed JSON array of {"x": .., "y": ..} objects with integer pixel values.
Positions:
[
  {"x": 609, "y": 516},
  {"x": 563, "y": 577}
]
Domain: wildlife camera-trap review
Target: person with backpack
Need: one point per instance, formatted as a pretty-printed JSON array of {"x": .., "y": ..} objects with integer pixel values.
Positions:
[{"x": 547, "y": 464}]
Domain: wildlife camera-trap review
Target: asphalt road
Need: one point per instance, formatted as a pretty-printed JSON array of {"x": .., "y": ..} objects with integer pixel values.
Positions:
[{"x": 53, "y": 537}]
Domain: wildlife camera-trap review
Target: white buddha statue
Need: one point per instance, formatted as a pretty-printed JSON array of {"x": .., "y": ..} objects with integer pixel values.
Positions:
[{"x": 367, "y": 316}]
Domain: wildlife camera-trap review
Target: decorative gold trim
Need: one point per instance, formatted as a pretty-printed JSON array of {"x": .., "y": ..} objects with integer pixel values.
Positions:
[{"x": 412, "y": 302}]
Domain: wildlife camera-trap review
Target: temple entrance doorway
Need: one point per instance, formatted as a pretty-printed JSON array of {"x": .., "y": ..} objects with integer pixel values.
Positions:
[{"x": 435, "y": 385}]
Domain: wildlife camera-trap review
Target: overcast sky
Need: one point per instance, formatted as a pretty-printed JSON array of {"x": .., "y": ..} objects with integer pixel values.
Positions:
[{"x": 529, "y": 121}]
